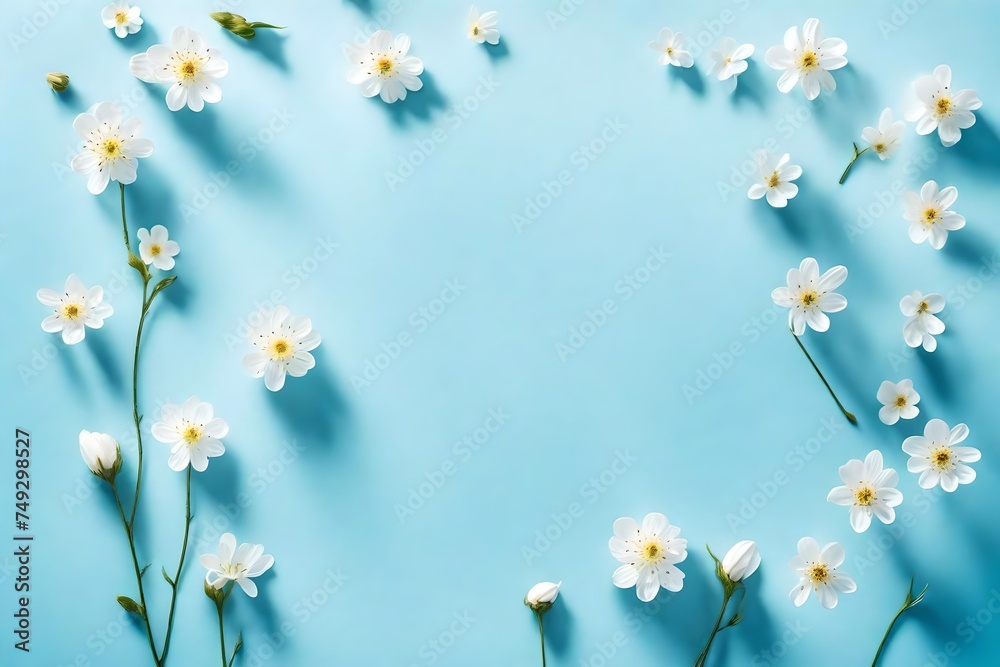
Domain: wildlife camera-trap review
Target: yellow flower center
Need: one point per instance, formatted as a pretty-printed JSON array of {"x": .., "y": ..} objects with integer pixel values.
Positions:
[
  {"x": 774, "y": 180},
  {"x": 670, "y": 50},
  {"x": 941, "y": 458},
  {"x": 112, "y": 148},
  {"x": 931, "y": 216},
  {"x": 808, "y": 61},
  {"x": 901, "y": 401},
  {"x": 652, "y": 552},
  {"x": 475, "y": 29},
  {"x": 809, "y": 298},
  {"x": 234, "y": 570},
  {"x": 155, "y": 249},
  {"x": 879, "y": 147},
  {"x": 188, "y": 69},
  {"x": 121, "y": 18},
  {"x": 385, "y": 66},
  {"x": 943, "y": 106},
  {"x": 71, "y": 311},
  {"x": 818, "y": 573},
  {"x": 192, "y": 434},
  {"x": 281, "y": 349},
  {"x": 923, "y": 307},
  {"x": 865, "y": 495}
]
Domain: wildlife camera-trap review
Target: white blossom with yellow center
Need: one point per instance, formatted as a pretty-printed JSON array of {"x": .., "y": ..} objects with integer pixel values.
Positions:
[
  {"x": 670, "y": 46},
  {"x": 483, "y": 27},
  {"x": 236, "y": 564},
  {"x": 938, "y": 459},
  {"x": 774, "y": 179},
  {"x": 190, "y": 67},
  {"x": 382, "y": 67},
  {"x": 111, "y": 147},
  {"x": 122, "y": 17},
  {"x": 283, "y": 344},
  {"x": 649, "y": 554},
  {"x": 75, "y": 309},
  {"x": 929, "y": 214},
  {"x": 809, "y": 296},
  {"x": 807, "y": 59},
  {"x": 818, "y": 571},
  {"x": 884, "y": 139},
  {"x": 194, "y": 432},
  {"x": 729, "y": 59},
  {"x": 939, "y": 107},
  {"x": 156, "y": 248},
  {"x": 922, "y": 323},
  {"x": 869, "y": 489},
  {"x": 899, "y": 401}
]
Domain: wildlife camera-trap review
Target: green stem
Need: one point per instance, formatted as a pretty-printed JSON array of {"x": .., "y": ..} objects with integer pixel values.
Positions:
[
  {"x": 138, "y": 575},
  {"x": 222, "y": 633},
  {"x": 177, "y": 576},
  {"x": 137, "y": 418},
  {"x": 851, "y": 418},
  {"x": 541, "y": 634},
  {"x": 908, "y": 604},
  {"x": 854, "y": 159},
  {"x": 703, "y": 656},
  {"x": 128, "y": 243}
]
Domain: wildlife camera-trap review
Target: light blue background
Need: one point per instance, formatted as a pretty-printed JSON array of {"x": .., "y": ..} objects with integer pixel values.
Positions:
[{"x": 330, "y": 503}]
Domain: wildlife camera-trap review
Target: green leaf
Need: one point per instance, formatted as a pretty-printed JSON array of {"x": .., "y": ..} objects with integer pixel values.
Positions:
[
  {"x": 143, "y": 570},
  {"x": 131, "y": 606},
  {"x": 136, "y": 263},
  {"x": 735, "y": 620},
  {"x": 162, "y": 285},
  {"x": 259, "y": 24},
  {"x": 236, "y": 648},
  {"x": 167, "y": 576}
]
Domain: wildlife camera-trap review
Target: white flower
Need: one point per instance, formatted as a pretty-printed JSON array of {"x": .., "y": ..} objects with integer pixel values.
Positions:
[
  {"x": 898, "y": 401},
  {"x": 156, "y": 249},
  {"x": 810, "y": 296},
  {"x": 188, "y": 65},
  {"x": 542, "y": 595},
  {"x": 194, "y": 431},
  {"x": 775, "y": 179},
  {"x": 236, "y": 564},
  {"x": 937, "y": 459},
  {"x": 381, "y": 67},
  {"x": 818, "y": 571},
  {"x": 110, "y": 146},
  {"x": 101, "y": 454},
  {"x": 483, "y": 27},
  {"x": 729, "y": 59},
  {"x": 870, "y": 489},
  {"x": 283, "y": 343},
  {"x": 671, "y": 49},
  {"x": 938, "y": 108},
  {"x": 929, "y": 215},
  {"x": 885, "y": 138},
  {"x": 76, "y": 308},
  {"x": 923, "y": 323},
  {"x": 649, "y": 554},
  {"x": 807, "y": 58},
  {"x": 122, "y": 17},
  {"x": 741, "y": 560}
]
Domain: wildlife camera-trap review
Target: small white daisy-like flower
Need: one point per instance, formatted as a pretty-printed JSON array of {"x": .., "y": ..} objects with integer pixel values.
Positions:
[
  {"x": 188, "y": 65},
  {"x": 194, "y": 431},
  {"x": 929, "y": 214},
  {"x": 729, "y": 59},
  {"x": 283, "y": 343},
  {"x": 483, "y": 27},
  {"x": 810, "y": 296},
  {"x": 237, "y": 564},
  {"x": 122, "y": 18},
  {"x": 818, "y": 572},
  {"x": 869, "y": 489},
  {"x": 671, "y": 49},
  {"x": 807, "y": 58},
  {"x": 110, "y": 147},
  {"x": 884, "y": 140},
  {"x": 922, "y": 323},
  {"x": 938, "y": 107},
  {"x": 156, "y": 248},
  {"x": 649, "y": 555},
  {"x": 899, "y": 401},
  {"x": 775, "y": 176},
  {"x": 75, "y": 309},
  {"x": 935, "y": 456},
  {"x": 382, "y": 67}
]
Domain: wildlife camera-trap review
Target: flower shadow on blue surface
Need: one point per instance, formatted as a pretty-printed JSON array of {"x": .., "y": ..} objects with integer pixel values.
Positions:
[
  {"x": 750, "y": 87},
  {"x": 107, "y": 362},
  {"x": 137, "y": 42},
  {"x": 943, "y": 369},
  {"x": 69, "y": 99},
  {"x": 222, "y": 480},
  {"x": 419, "y": 105},
  {"x": 312, "y": 406},
  {"x": 980, "y": 145},
  {"x": 969, "y": 246},
  {"x": 362, "y": 5},
  {"x": 690, "y": 77},
  {"x": 844, "y": 113},
  {"x": 558, "y": 627},
  {"x": 268, "y": 44},
  {"x": 498, "y": 52}
]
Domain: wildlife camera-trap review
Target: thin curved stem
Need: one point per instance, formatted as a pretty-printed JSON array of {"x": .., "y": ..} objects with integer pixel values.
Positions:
[
  {"x": 908, "y": 604},
  {"x": 177, "y": 575},
  {"x": 138, "y": 575},
  {"x": 222, "y": 631},
  {"x": 850, "y": 417},
  {"x": 850, "y": 164},
  {"x": 703, "y": 656},
  {"x": 146, "y": 302},
  {"x": 541, "y": 634}
]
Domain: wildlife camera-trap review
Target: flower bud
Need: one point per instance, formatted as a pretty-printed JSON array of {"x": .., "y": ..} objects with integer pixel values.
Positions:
[
  {"x": 58, "y": 81},
  {"x": 741, "y": 561},
  {"x": 234, "y": 23},
  {"x": 101, "y": 454},
  {"x": 542, "y": 595}
]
